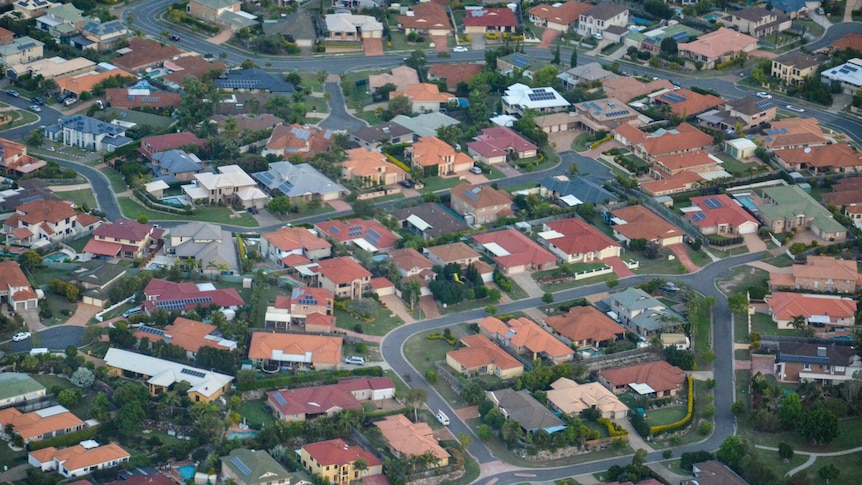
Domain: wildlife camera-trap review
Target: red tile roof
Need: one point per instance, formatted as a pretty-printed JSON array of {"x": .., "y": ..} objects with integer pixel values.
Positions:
[
  {"x": 727, "y": 211},
  {"x": 158, "y": 290},
  {"x": 161, "y": 143},
  {"x": 127, "y": 230},
  {"x": 481, "y": 352},
  {"x": 683, "y": 137},
  {"x": 684, "y": 102},
  {"x": 191, "y": 66},
  {"x": 836, "y": 155},
  {"x": 785, "y": 306},
  {"x": 337, "y": 452},
  {"x": 12, "y": 276},
  {"x": 39, "y": 211},
  {"x": 522, "y": 250},
  {"x": 659, "y": 375},
  {"x": 579, "y": 237},
  {"x": 586, "y": 323},
  {"x": 564, "y": 14},
  {"x": 313, "y": 400},
  {"x": 849, "y": 41},
  {"x": 343, "y": 270},
  {"x": 499, "y": 140},
  {"x": 454, "y": 73},
  {"x": 426, "y": 16},
  {"x": 102, "y": 248},
  {"x": 323, "y": 349},
  {"x": 124, "y": 98},
  {"x": 145, "y": 53},
  {"x": 490, "y": 17},
  {"x": 641, "y": 223},
  {"x": 523, "y": 332},
  {"x": 368, "y": 229}
]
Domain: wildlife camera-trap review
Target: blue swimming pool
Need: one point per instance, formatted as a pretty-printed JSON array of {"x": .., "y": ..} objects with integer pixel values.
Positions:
[
  {"x": 187, "y": 472},
  {"x": 174, "y": 201},
  {"x": 241, "y": 435},
  {"x": 640, "y": 21},
  {"x": 57, "y": 257},
  {"x": 713, "y": 16},
  {"x": 747, "y": 202}
]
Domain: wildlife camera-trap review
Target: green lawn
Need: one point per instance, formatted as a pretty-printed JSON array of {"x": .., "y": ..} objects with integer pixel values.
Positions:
[
  {"x": 78, "y": 244},
  {"x": 356, "y": 97},
  {"x": 665, "y": 415},
  {"x": 850, "y": 466},
  {"x": 580, "y": 144},
  {"x": 774, "y": 462},
  {"x": 659, "y": 265},
  {"x": 762, "y": 323},
  {"x": 582, "y": 282},
  {"x": 698, "y": 257},
  {"x": 519, "y": 186},
  {"x": 58, "y": 303},
  {"x": 117, "y": 182},
  {"x": 19, "y": 118},
  {"x": 14, "y": 458},
  {"x": 850, "y": 429},
  {"x": 315, "y": 105},
  {"x": 383, "y": 322},
  {"x": 780, "y": 261},
  {"x": 222, "y": 215},
  {"x": 255, "y": 414},
  {"x": 433, "y": 184},
  {"x": 267, "y": 295},
  {"x": 400, "y": 386},
  {"x": 311, "y": 81},
  {"x": 701, "y": 324},
  {"x": 81, "y": 198},
  {"x": 422, "y": 353},
  {"x": 50, "y": 381},
  {"x": 495, "y": 174},
  {"x": 155, "y": 121},
  {"x": 369, "y": 116},
  {"x": 734, "y": 166}
]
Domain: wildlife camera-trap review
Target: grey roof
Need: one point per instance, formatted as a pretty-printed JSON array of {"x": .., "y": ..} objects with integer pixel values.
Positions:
[
  {"x": 253, "y": 79},
  {"x": 198, "y": 230},
  {"x": 237, "y": 20},
  {"x": 255, "y": 467},
  {"x": 654, "y": 315},
  {"x": 96, "y": 272},
  {"x": 425, "y": 124},
  {"x": 442, "y": 220},
  {"x": 217, "y": 4},
  {"x": 104, "y": 28},
  {"x": 787, "y": 6},
  {"x": 815, "y": 351},
  {"x": 605, "y": 11},
  {"x": 383, "y": 131},
  {"x": 209, "y": 244},
  {"x": 18, "y": 45},
  {"x": 14, "y": 384},
  {"x": 178, "y": 161},
  {"x": 713, "y": 473},
  {"x": 296, "y": 180},
  {"x": 750, "y": 105},
  {"x": 526, "y": 410},
  {"x": 85, "y": 124},
  {"x": 592, "y": 71},
  {"x": 801, "y": 61},
  {"x": 636, "y": 299},
  {"x": 753, "y": 14},
  {"x": 117, "y": 141},
  {"x": 584, "y": 189}
]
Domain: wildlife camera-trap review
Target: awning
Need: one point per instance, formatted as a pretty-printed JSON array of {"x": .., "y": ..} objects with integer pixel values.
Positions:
[
  {"x": 496, "y": 249},
  {"x": 642, "y": 389},
  {"x": 418, "y": 222}
]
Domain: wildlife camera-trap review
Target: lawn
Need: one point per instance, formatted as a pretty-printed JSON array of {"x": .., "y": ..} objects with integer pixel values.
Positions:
[
  {"x": 369, "y": 116},
  {"x": 221, "y": 215},
  {"x": 666, "y": 415},
  {"x": 519, "y": 186},
  {"x": 255, "y": 414},
  {"x": 582, "y": 282},
  {"x": 19, "y": 118},
  {"x": 49, "y": 381},
  {"x": 850, "y": 429},
  {"x": 383, "y": 321},
  {"x": 742, "y": 278},
  {"x": 701, "y": 324},
  {"x": 355, "y": 95},
  {"x": 698, "y": 257},
  {"x": 580, "y": 143},
  {"x": 659, "y": 265},
  {"x": 495, "y": 174},
  {"x": 14, "y": 458},
  {"x": 117, "y": 182},
  {"x": 734, "y": 166},
  {"x": 762, "y": 323},
  {"x": 433, "y": 184},
  {"x": 850, "y": 466},
  {"x": 81, "y": 198},
  {"x": 57, "y": 304},
  {"x": 139, "y": 117},
  {"x": 267, "y": 295},
  {"x": 46, "y": 275},
  {"x": 311, "y": 80},
  {"x": 400, "y": 386},
  {"x": 780, "y": 261},
  {"x": 423, "y": 353},
  {"x": 774, "y": 462},
  {"x": 315, "y": 105},
  {"x": 78, "y": 244}
]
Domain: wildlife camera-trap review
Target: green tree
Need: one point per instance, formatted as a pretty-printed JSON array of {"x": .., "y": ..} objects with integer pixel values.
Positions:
[
  {"x": 548, "y": 298},
  {"x": 669, "y": 46},
  {"x": 790, "y": 411},
  {"x": 100, "y": 408},
  {"x": 130, "y": 418},
  {"x": 785, "y": 451},
  {"x": 484, "y": 432},
  {"x": 828, "y": 472},
  {"x": 414, "y": 398},
  {"x": 738, "y": 303},
  {"x": 279, "y": 205},
  {"x": 30, "y": 260},
  {"x": 465, "y": 440},
  {"x": 511, "y": 432},
  {"x": 819, "y": 426},
  {"x": 556, "y": 58},
  {"x": 69, "y": 397},
  {"x": 738, "y": 407},
  {"x": 573, "y": 61},
  {"x": 732, "y": 451}
]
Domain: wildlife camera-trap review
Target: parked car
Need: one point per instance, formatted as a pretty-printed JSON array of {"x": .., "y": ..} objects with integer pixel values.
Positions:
[
  {"x": 764, "y": 94},
  {"x": 252, "y": 210},
  {"x": 13, "y": 93},
  {"x": 18, "y": 337},
  {"x": 35, "y": 107},
  {"x": 476, "y": 170},
  {"x": 459, "y": 48},
  {"x": 355, "y": 360},
  {"x": 406, "y": 184},
  {"x": 132, "y": 312},
  {"x": 175, "y": 38},
  {"x": 70, "y": 101},
  {"x": 37, "y": 100},
  {"x": 597, "y": 36}
]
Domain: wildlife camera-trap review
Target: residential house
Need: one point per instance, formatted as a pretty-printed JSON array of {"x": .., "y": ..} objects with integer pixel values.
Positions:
[
  {"x": 831, "y": 311},
  {"x": 480, "y": 357},
  {"x": 374, "y": 137},
  {"x": 597, "y": 19},
  {"x": 253, "y": 467},
  {"x": 604, "y": 115},
  {"x": 453, "y": 74},
  {"x": 481, "y": 20},
  {"x": 570, "y": 398},
  {"x": 497, "y": 143},
  {"x": 366, "y": 168},
  {"x": 161, "y": 143},
  {"x": 759, "y": 22},
  {"x": 719, "y": 214},
  {"x": 847, "y": 75},
  {"x": 684, "y": 102},
  {"x": 6, "y": 36},
  {"x": 185, "y": 297},
  {"x": 31, "y": 9},
  {"x": 253, "y": 80},
  {"x": 140, "y": 95},
  {"x": 748, "y": 113},
  {"x": 523, "y": 336},
  {"x": 143, "y": 53},
  {"x": 820, "y": 273},
  {"x": 289, "y": 140},
  {"x": 650, "y": 40},
  {"x": 224, "y": 13},
  {"x": 14, "y": 159},
  {"x": 301, "y": 183},
  {"x": 17, "y": 388},
  {"x": 430, "y": 221},
  {"x": 655, "y": 379},
  {"x": 309, "y": 308},
  {"x": 480, "y": 204},
  {"x": 428, "y": 18},
  {"x": 407, "y": 439},
  {"x": 40, "y": 223},
  {"x": 716, "y": 47},
  {"x": 79, "y": 460},
  {"x": 557, "y": 122},
  {"x": 190, "y": 66},
  {"x": 100, "y": 36},
  {"x": 160, "y": 375},
  {"x": 174, "y": 166},
  {"x": 586, "y": 327},
  {"x": 788, "y": 207},
  {"x": 424, "y": 97},
  {"x": 411, "y": 263},
  {"x": 821, "y": 361},
  {"x": 682, "y": 139},
  {"x": 638, "y": 222},
  {"x": 822, "y": 159},
  {"x": 87, "y": 133},
  {"x": 287, "y": 242},
  {"x": 208, "y": 245},
  {"x": 740, "y": 148},
  {"x": 576, "y": 190},
  {"x": 294, "y": 350},
  {"x": 793, "y": 133},
  {"x": 189, "y": 335},
  {"x": 368, "y": 234},
  {"x": 436, "y": 157},
  {"x": 643, "y": 313},
  {"x": 673, "y": 184},
  {"x": 526, "y": 65},
  {"x": 73, "y": 75},
  {"x": 520, "y": 98},
  {"x": 713, "y": 473},
  {"x": 513, "y": 252},
  {"x": 425, "y": 124},
  {"x": 576, "y": 241},
  {"x": 335, "y": 461},
  {"x": 347, "y": 27},
  {"x": 458, "y": 253},
  {"x": 41, "y": 424},
  {"x": 795, "y": 66},
  {"x": 845, "y": 192},
  {"x": 344, "y": 277},
  {"x": 62, "y": 21},
  {"x": 96, "y": 278},
  {"x": 231, "y": 185},
  {"x": 558, "y": 16},
  {"x": 523, "y": 408},
  {"x": 627, "y": 89},
  {"x": 855, "y": 214},
  {"x": 698, "y": 161},
  {"x": 400, "y": 77},
  {"x": 124, "y": 239},
  {"x": 307, "y": 403}
]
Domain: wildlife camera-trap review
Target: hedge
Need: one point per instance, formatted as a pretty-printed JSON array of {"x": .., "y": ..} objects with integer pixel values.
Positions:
[
  {"x": 599, "y": 142},
  {"x": 340, "y": 305},
  {"x": 377, "y": 415},
  {"x": 684, "y": 421},
  {"x": 62, "y": 441},
  {"x": 614, "y": 429},
  {"x": 323, "y": 377},
  {"x": 440, "y": 336},
  {"x": 398, "y": 163}
]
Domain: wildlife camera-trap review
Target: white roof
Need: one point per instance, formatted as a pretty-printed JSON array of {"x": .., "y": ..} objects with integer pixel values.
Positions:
[
  {"x": 534, "y": 98},
  {"x": 166, "y": 373},
  {"x": 363, "y": 244},
  {"x": 418, "y": 222},
  {"x": 504, "y": 120},
  {"x": 552, "y": 234},
  {"x": 347, "y": 22},
  {"x": 51, "y": 411},
  {"x": 496, "y": 249},
  {"x": 196, "y": 192},
  {"x": 641, "y": 389},
  {"x": 850, "y": 73},
  {"x": 742, "y": 143},
  {"x": 157, "y": 185},
  {"x": 571, "y": 200},
  {"x": 715, "y": 174}
]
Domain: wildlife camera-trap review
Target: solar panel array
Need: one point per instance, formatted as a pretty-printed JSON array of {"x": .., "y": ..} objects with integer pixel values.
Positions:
[
  {"x": 765, "y": 104},
  {"x": 242, "y": 467},
  {"x": 471, "y": 195},
  {"x": 521, "y": 62},
  {"x": 193, "y": 373},
  {"x": 265, "y": 177},
  {"x": 279, "y": 399},
  {"x": 373, "y": 237},
  {"x": 542, "y": 95},
  {"x": 712, "y": 203},
  {"x": 776, "y": 131},
  {"x": 614, "y": 114},
  {"x": 680, "y": 36},
  {"x": 26, "y": 200},
  {"x": 172, "y": 305},
  {"x": 153, "y": 331},
  {"x": 240, "y": 83},
  {"x": 847, "y": 69},
  {"x": 673, "y": 97},
  {"x": 699, "y": 216},
  {"x": 354, "y": 231},
  {"x": 334, "y": 229},
  {"x": 308, "y": 300}
]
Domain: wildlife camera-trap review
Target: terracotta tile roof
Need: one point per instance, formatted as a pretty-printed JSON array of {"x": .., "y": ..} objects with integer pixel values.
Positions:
[
  {"x": 77, "y": 457},
  {"x": 571, "y": 398},
  {"x": 292, "y": 238},
  {"x": 586, "y": 323},
  {"x": 454, "y": 73},
  {"x": 39, "y": 211},
  {"x": 481, "y": 352},
  {"x": 352, "y": 229},
  {"x": 293, "y": 260},
  {"x": 483, "y": 196},
  {"x": 430, "y": 151},
  {"x": 124, "y": 98},
  {"x": 521, "y": 249},
  {"x": 849, "y": 41},
  {"x": 628, "y": 88},
  {"x": 34, "y": 424},
  {"x": 727, "y": 211},
  {"x": 696, "y": 161},
  {"x": 191, "y": 66},
  {"x": 660, "y": 142},
  {"x": 244, "y": 122},
  {"x": 845, "y": 192},
  {"x": 659, "y": 375},
  {"x": 791, "y": 132},
  {"x": 565, "y": 14},
  {"x": 170, "y": 141},
  {"x": 836, "y": 155},
  {"x": 522, "y": 332},
  {"x": 159, "y": 291},
  {"x": 408, "y": 438},
  {"x": 718, "y": 43},
  {"x": 299, "y": 139},
  {"x": 80, "y": 83},
  {"x": 145, "y": 53},
  {"x": 309, "y": 296},
  {"x": 326, "y": 350},
  {"x": 827, "y": 267},
  {"x": 426, "y": 16},
  {"x": 362, "y": 162},
  {"x": 500, "y": 140},
  {"x": 189, "y": 334},
  {"x": 381, "y": 282},
  {"x": 44, "y": 455},
  {"x": 641, "y": 223},
  {"x": 423, "y": 93},
  {"x": 12, "y": 276},
  {"x": 785, "y": 306},
  {"x": 401, "y": 77},
  {"x": 409, "y": 259},
  {"x": 579, "y": 237},
  {"x": 313, "y": 401},
  {"x": 490, "y": 17},
  {"x": 128, "y": 230},
  {"x": 102, "y": 248},
  {"x": 343, "y": 270},
  {"x": 684, "y": 102},
  {"x": 453, "y": 252},
  {"x": 670, "y": 184},
  {"x": 337, "y": 452}
]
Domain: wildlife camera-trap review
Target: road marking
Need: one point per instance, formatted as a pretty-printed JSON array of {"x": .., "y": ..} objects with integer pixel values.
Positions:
[{"x": 528, "y": 475}]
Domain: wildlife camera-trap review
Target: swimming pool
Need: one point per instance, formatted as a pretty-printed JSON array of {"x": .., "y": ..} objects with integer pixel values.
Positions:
[
  {"x": 174, "y": 201},
  {"x": 187, "y": 472},
  {"x": 746, "y": 202},
  {"x": 57, "y": 257},
  {"x": 713, "y": 16},
  {"x": 241, "y": 435},
  {"x": 640, "y": 21}
]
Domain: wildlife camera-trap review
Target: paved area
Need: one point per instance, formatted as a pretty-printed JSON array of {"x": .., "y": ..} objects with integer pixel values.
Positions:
[
  {"x": 396, "y": 305},
  {"x": 68, "y": 188},
  {"x": 754, "y": 243},
  {"x": 562, "y": 140},
  {"x": 770, "y": 268},
  {"x": 83, "y": 314},
  {"x": 635, "y": 439},
  {"x": 221, "y": 38},
  {"x": 741, "y": 365},
  {"x": 548, "y": 36},
  {"x": 528, "y": 284},
  {"x": 682, "y": 255},
  {"x": 339, "y": 205},
  {"x": 362, "y": 336},
  {"x": 14, "y": 474},
  {"x": 441, "y": 43},
  {"x": 429, "y": 307},
  {"x": 619, "y": 267},
  {"x": 373, "y": 47},
  {"x": 849, "y": 7}
]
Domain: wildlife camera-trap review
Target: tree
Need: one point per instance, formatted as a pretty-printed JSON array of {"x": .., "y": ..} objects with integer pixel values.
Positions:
[
  {"x": 738, "y": 303},
  {"x": 36, "y": 138},
  {"x": 279, "y": 205},
  {"x": 785, "y": 451},
  {"x": 669, "y": 46},
  {"x": 511, "y": 432},
  {"x": 639, "y": 457},
  {"x": 472, "y": 393},
  {"x": 30, "y": 260},
  {"x": 790, "y": 411},
  {"x": 484, "y": 432},
  {"x": 69, "y": 397},
  {"x": 732, "y": 451},
  {"x": 573, "y": 62},
  {"x": 819, "y": 426},
  {"x": 556, "y": 58},
  {"x": 100, "y": 408},
  {"x": 360, "y": 466},
  {"x": 738, "y": 408},
  {"x": 465, "y": 440},
  {"x": 130, "y": 418},
  {"x": 83, "y": 377},
  {"x": 414, "y": 398},
  {"x": 828, "y": 472},
  {"x": 799, "y": 322},
  {"x": 548, "y": 298}
]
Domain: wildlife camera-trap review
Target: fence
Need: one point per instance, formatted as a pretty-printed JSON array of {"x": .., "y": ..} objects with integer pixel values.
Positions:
[
  {"x": 625, "y": 356},
  {"x": 99, "y": 315},
  {"x": 443, "y": 373}
]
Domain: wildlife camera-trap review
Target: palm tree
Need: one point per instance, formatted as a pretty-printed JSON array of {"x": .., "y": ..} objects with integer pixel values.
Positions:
[
  {"x": 360, "y": 466},
  {"x": 170, "y": 400},
  {"x": 799, "y": 322}
]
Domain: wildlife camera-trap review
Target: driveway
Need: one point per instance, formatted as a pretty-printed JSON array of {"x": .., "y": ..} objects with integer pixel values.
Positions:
[
  {"x": 83, "y": 314},
  {"x": 397, "y": 306},
  {"x": 527, "y": 283},
  {"x": 754, "y": 243},
  {"x": 54, "y": 338}
]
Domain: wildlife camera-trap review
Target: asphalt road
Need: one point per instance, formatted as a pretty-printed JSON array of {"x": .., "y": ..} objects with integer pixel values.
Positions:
[
  {"x": 48, "y": 116},
  {"x": 54, "y": 339},
  {"x": 339, "y": 118}
]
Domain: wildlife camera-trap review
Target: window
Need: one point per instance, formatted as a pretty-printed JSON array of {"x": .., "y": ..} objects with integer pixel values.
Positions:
[{"x": 806, "y": 366}]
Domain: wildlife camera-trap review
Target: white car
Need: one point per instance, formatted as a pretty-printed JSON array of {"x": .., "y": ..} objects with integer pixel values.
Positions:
[
  {"x": 764, "y": 94},
  {"x": 355, "y": 360},
  {"x": 597, "y": 36},
  {"x": 21, "y": 336},
  {"x": 795, "y": 108},
  {"x": 460, "y": 48},
  {"x": 476, "y": 170}
]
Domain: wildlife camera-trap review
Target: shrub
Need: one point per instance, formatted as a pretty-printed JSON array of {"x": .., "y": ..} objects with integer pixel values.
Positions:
[
  {"x": 684, "y": 421},
  {"x": 614, "y": 429},
  {"x": 322, "y": 377},
  {"x": 600, "y": 141}
]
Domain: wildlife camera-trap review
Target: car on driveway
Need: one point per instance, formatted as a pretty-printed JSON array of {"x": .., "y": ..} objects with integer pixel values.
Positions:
[
  {"x": 18, "y": 337},
  {"x": 13, "y": 93},
  {"x": 459, "y": 48},
  {"x": 795, "y": 108},
  {"x": 764, "y": 94},
  {"x": 476, "y": 170},
  {"x": 355, "y": 360}
]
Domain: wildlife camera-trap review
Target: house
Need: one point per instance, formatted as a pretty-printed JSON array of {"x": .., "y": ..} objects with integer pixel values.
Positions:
[
  {"x": 140, "y": 95},
  {"x": 253, "y": 467},
  {"x": 174, "y": 166},
  {"x": 301, "y": 183},
  {"x": 480, "y": 204},
  {"x": 436, "y": 157},
  {"x": 368, "y": 234},
  {"x": 570, "y": 398},
  {"x": 845, "y": 192},
  {"x": 821, "y": 361},
  {"x": 335, "y": 461},
  {"x": 100, "y": 36},
  {"x": 79, "y": 460},
  {"x": 428, "y": 18},
  {"x": 847, "y": 75},
  {"x": 628, "y": 89},
  {"x": 63, "y": 21},
  {"x": 787, "y": 207},
  {"x": 143, "y": 53},
  {"x": 310, "y": 308},
  {"x": 293, "y": 241},
  {"x": 40, "y": 223},
  {"x": 747, "y": 113},
  {"x": 289, "y": 140},
  {"x": 643, "y": 313},
  {"x": 576, "y": 241},
  {"x": 719, "y": 214},
  {"x": 604, "y": 115},
  {"x": 601, "y": 17},
  {"x": 344, "y": 277},
  {"x": 231, "y": 185},
  {"x": 497, "y": 143},
  {"x": 793, "y": 67},
  {"x": 210, "y": 246},
  {"x": 253, "y": 80},
  {"x": 793, "y": 133},
  {"x": 366, "y": 168},
  {"x": 294, "y": 350},
  {"x": 458, "y": 253},
  {"x": 716, "y": 47},
  {"x": 389, "y": 133},
  {"x": 558, "y": 16},
  {"x": 519, "y": 98},
  {"x": 684, "y": 138},
  {"x": 759, "y": 22},
  {"x": 424, "y": 97},
  {"x": 521, "y": 63},
  {"x": 224, "y": 13},
  {"x": 425, "y": 124},
  {"x": 673, "y": 184},
  {"x": 713, "y": 473},
  {"x": 480, "y": 357},
  {"x": 834, "y": 158},
  {"x": 406, "y": 438},
  {"x": 481, "y": 20},
  {"x": 96, "y": 278},
  {"x": 244, "y": 122},
  {"x": 15, "y": 289},
  {"x": 523, "y": 408},
  {"x": 87, "y": 133},
  {"x": 307, "y": 403},
  {"x": 831, "y": 311},
  {"x": 190, "y": 66},
  {"x": 513, "y": 252},
  {"x": 586, "y": 327},
  {"x": 171, "y": 141},
  {"x": 185, "y": 297},
  {"x": 30, "y": 9},
  {"x": 822, "y": 274},
  {"x": 698, "y": 161},
  {"x": 400, "y": 77},
  {"x": 575, "y": 191},
  {"x": 28, "y": 190},
  {"x": 410, "y": 262},
  {"x": 684, "y": 102},
  {"x": 189, "y": 335},
  {"x": 655, "y": 379},
  {"x": 523, "y": 336},
  {"x": 75, "y": 75},
  {"x": 41, "y": 424},
  {"x": 17, "y": 388},
  {"x": 124, "y": 239},
  {"x": 430, "y": 221},
  {"x": 453, "y": 74},
  {"x": 557, "y": 122},
  {"x": 638, "y": 222},
  {"x": 347, "y": 27},
  {"x": 650, "y": 40},
  {"x": 855, "y": 214}
]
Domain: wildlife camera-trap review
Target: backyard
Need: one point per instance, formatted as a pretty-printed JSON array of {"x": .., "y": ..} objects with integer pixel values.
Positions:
[
  {"x": 81, "y": 198},
  {"x": 380, "y": 324},
  {"x": 221, "y": 215},
  {"x": 255, "y": 414}
]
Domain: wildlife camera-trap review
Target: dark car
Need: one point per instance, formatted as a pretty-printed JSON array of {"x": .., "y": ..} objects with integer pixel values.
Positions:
[
  {"x": 13, "y": 93},
  {"x": 175, "y": 38},
  {"x": 252, "y": 210},
  {"x": 39, "y": 101},
  {"x": 406, "y": 184}
]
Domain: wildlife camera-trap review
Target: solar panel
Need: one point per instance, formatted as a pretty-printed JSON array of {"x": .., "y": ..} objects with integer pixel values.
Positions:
[
  {"x": 698, "y": 217},
  {"x": 765, "y": 105},
  {"x": 374, "y": 234},
  {"x": 617, "y": 113},
  {"x": 521, "y": 62},
  {"x": 673, "y": 97},
  {"x": 541, "y": 95},
  {"x": 334, "y": 229},
  {"x": 680, "y": 36},
  {"x": 153, "y": 331},
  {"x": 242, "y": 467},
  {"x": 712, "y": 203},
  {"x": 279, "y": 399},
  {"x": 471, "y": 195},
  {"x": 192, "y": 372}
]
